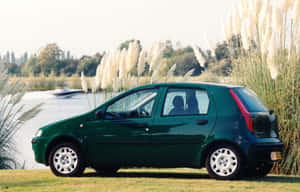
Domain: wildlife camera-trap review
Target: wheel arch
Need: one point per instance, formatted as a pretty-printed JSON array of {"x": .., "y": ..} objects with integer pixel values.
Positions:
[
  {"x": 212, "y": 144},
  {"x": 60, "y": 139}
]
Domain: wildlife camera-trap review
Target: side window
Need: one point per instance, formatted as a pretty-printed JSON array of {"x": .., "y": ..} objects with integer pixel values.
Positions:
[
  {"x": 181, "y": 101},
  {"x": 135, "y": 105}
]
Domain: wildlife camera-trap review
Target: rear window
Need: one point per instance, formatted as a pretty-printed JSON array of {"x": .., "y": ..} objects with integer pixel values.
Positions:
[{"x": 250, "y": 100}]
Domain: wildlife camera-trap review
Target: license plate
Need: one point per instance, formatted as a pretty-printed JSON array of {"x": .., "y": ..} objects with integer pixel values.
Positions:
[{"x": 275, "y": 155}]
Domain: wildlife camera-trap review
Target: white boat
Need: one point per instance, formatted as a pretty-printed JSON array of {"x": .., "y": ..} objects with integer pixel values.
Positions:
[{"x": 66, "y": 92}]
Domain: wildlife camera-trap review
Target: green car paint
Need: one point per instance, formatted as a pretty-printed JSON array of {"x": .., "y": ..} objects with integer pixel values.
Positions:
[{"x": 165, "y": 141}]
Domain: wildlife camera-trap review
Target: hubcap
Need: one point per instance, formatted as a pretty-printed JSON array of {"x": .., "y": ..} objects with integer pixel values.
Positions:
[
  {"x": 223, "y": 162},
  {"x": 65, "y": 160}
]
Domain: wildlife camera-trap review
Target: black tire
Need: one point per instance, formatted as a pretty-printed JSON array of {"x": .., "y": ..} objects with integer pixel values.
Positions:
[
  {"x": 73, "y": 160},
  {"x": 229, "y": 158},
  {"x": 106, "y": 170},
  {"x": 258, "y": 171}
]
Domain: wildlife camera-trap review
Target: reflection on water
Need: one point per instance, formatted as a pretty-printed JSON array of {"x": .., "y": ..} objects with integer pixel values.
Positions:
[{"x": 54, "y": 109}]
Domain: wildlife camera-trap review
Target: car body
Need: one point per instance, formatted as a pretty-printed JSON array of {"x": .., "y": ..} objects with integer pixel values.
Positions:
[{"x": 224, "y": 128}]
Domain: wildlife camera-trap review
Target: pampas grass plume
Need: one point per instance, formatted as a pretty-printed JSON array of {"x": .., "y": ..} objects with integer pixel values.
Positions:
[
  {"x": 199, "y": 56},
  {"x": 141, "y": 62},
  {"x": 296, "y": 11},
  {"x": 170, "y": 72},
  {"x": 84, "y": 84},
  {"x": 277, "y": 19},
  {"x": 122, "y": 64}
]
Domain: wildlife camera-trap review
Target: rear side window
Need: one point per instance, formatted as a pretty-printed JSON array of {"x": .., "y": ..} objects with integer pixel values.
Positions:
[
  {"x": 250, "y": 100},
  {"x": 185, "y": 101}
]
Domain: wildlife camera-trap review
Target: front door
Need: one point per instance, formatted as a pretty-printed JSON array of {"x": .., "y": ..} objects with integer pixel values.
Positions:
[
  {"x": 186, "y": 117},
  {"x": 122, "y": 137}
]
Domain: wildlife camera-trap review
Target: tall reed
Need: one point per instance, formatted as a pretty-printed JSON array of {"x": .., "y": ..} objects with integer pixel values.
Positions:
[
  {"x": 13, "y": 114},
  {"x": 269, "y": 63},
  {"x": 115, "y": 71}
]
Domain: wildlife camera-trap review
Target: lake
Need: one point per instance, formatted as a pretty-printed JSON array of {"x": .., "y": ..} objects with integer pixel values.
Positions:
[{"x": 54, "y": 109}]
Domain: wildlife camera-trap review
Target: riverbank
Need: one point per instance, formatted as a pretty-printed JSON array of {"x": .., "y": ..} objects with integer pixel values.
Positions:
[
  {"x": 42, "y": 83},
  {"x": 134, "y": 180}
]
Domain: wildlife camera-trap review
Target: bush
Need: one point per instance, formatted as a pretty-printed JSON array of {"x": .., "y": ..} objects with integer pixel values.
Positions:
[
  {"x": 12, "y": 116},
  {"x": 269, "y": 64}
]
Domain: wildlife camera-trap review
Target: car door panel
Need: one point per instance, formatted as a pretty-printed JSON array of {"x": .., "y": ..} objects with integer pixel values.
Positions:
[
  {"x": 119, "y": 142},
  {"x": 178, "y": 139},
  {"x": 122, "y": 141}
]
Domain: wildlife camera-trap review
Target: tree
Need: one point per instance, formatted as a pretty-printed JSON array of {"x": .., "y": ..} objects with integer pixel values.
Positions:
[
  {"x": 25, "y": 57},
  {"x": 7, "y": 57},
  {"x": 31, "y": 67},
  {"x": 13, "y": 58},
  {"x": 184, "y": 58},
  {"x": 68, "y": 66},
  {"x": 62, "y": 55},
  {"x": 88, "y": 65},
  {"x": 68, "y": 55},
  {"x": 168, "y": 51},
  {"x": 13, "y": 68},
  {"x": 125, "y": 44},
  {"x": 48, "y": 58}
]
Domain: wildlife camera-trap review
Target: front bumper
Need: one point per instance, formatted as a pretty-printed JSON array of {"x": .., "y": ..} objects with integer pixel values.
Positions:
[
  {"x": 264, "y": 152},
  {"x": 39, "y": 146}
]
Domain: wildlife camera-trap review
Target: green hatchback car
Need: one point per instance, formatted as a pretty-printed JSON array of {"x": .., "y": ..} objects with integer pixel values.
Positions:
[{"x": 224, "y": 128}]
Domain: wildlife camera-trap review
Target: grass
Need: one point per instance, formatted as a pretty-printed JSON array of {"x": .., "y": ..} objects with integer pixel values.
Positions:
[{"x": 134, "y": 180}]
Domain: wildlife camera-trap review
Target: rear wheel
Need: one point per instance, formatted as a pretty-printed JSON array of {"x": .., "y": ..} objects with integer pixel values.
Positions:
[
  {"x": 224, "y": 162},
  {"x": 66, "y": 159}
]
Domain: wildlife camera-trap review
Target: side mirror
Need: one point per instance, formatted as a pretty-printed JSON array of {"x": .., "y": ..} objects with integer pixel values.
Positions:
[
  {"x": 271, "y": 111},
  {"x": 100, "y": 115}
]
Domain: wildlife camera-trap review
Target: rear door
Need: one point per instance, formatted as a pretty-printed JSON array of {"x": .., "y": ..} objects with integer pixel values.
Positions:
[{"x": 183, "y": 121}]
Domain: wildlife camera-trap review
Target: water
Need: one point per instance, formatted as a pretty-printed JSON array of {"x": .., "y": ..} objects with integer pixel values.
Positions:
[{"x": 54, "y": 109}]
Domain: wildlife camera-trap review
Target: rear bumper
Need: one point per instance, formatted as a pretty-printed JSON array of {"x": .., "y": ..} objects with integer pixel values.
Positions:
[{"x": 261, "y": 152}]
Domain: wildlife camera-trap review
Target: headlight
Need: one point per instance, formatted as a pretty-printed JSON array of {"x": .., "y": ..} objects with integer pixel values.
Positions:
[{"x": 38, "y": 133}]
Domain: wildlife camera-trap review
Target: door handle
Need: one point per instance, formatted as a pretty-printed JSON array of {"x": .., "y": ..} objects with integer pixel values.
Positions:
[{"x": 202, "y": 122}]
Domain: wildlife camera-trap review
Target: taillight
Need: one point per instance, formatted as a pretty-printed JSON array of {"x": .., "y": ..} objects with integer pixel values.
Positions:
[{"x": 246, "y": 114}]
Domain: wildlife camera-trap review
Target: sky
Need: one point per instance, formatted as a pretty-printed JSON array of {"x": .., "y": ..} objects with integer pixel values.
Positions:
[{"x": 90, "y": 26}]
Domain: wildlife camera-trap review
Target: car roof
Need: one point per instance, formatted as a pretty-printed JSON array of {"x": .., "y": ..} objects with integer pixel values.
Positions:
[{"x": 188, "y": 84}]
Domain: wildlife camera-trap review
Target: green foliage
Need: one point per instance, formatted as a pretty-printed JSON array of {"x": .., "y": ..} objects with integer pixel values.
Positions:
[
  {"x": 89, "y": 65},
  {"x": 125, "y": 44},
  {"x": 48, "y": 58},
  {"x": 221, "y": 68},
  {"x": 31, "y": 67},
  {"x": 13, "y": 68},
  {"x": 13, "y": 115},
  {"x": 184, "y": 58},
  {"x": 67, "y": 66},
  {"x": 222, "y": 51}
]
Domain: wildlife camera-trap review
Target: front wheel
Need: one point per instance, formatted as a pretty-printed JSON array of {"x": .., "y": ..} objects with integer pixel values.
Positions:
[
  {"x": 66, "y": 159},
  {"x": 224, "y": 162}
]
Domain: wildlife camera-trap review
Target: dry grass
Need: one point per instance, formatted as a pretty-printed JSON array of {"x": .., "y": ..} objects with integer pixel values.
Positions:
[
  {"x": 49, "y": 83},
  {"x": 134, "y": 180}
]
